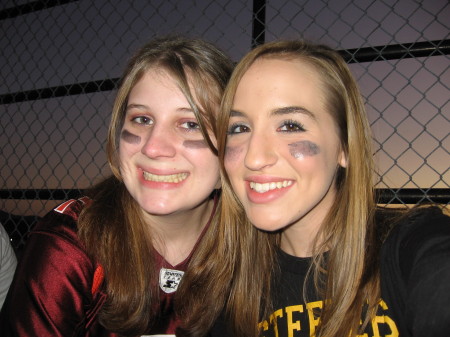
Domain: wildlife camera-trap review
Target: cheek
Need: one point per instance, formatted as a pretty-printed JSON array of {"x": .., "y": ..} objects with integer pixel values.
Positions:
[
  {"x": 203, "y": 159},
  {"x": 233, "y": 156},
  {"x": 129, "y": 144},
  {"x": 207, "y": 166},
  {"x": 195, "y": 144},
  {"x": 301, "y": 150},
  {"x": 129, "y": 137}
]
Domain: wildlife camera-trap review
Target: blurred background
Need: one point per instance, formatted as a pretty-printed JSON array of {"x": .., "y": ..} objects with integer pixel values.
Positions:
[{"x": 60, "y": 63}]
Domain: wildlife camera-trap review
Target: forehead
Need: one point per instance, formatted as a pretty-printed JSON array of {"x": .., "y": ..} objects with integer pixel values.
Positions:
[
  {"x": 155, "y": 75},
  {"x": 274, "y": 83},
  {"x": 156, "y": 87}
]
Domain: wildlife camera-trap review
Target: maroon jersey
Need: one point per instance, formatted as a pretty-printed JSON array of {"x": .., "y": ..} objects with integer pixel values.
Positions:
[{"x": 57, "y": 290}]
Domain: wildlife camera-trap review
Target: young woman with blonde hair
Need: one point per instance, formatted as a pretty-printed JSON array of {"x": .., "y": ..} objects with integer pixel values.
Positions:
[
  {"x": 111, "y": 263},
  {"x": 315, "y": 257}
]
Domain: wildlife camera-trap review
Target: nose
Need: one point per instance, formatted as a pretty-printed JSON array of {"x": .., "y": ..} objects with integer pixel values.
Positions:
[
  {"x": 160, "y": 142},
  {"x": 261, "y": 153}
]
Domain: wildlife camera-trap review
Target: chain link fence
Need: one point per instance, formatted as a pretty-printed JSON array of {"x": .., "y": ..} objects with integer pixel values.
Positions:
[{"x": 61, "y": 61}]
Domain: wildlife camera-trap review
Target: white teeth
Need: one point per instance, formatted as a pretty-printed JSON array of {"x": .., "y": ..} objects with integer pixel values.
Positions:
[
  {"x": 171, "y": 178},
  {"x": 263, "y": 188}
]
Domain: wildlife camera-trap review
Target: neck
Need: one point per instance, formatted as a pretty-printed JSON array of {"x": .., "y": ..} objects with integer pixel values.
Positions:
[
  {"x": 297, "y": 243},
  {"x": 298, "y": 239},
  {"x": 174, "y": 236}
]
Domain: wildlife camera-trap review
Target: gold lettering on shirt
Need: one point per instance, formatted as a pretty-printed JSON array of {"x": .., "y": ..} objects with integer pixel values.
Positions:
[
  {"x": 291, "y": 325},
  {"x": 313, "y": 320},
  {"x": 293, "y": 319},
  {"x": 383, "y": 319},
  {"x": 273, "y": 320},
  {"x": 263, "y": 325}
]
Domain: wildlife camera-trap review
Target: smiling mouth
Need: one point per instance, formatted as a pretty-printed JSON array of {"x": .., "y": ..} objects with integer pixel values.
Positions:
[
  {"x": 263, "y": 188},
  {"x": 170, "y": 178}
]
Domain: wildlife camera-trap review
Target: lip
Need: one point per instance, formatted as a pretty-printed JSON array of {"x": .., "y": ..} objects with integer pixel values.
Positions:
[
  {"x": 270, "y": 195},
  {"x": 162, "y": 184}
]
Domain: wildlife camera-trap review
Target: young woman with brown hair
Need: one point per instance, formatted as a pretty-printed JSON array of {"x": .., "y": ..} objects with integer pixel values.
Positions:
[
  {"x": 295, "y": 146},
  {"x": 111, "y": 263}
]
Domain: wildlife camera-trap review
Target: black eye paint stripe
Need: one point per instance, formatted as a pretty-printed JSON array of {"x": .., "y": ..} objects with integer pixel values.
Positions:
[
  {"x": 303, "y": 148},
  {"x": 232, "y": 153},
  {"x": 195, "y": 144},
  {"x": 129, "y": 137}
]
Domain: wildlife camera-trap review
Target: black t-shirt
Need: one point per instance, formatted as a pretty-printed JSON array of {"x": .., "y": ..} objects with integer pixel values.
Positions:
[
  {"x": 415, "y": 274},
  {"x": 415, "y": 285}
]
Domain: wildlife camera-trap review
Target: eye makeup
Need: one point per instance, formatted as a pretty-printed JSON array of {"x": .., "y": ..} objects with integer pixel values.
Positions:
[
  {"x": 195, "y": 144},
  {"x": 129, "y": 137},
  {"x": 232, "y": 153},
  {"x": 302, "y": 149}
]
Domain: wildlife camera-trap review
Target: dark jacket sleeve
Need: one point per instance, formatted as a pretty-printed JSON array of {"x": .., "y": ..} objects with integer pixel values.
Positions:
[
  {"x": 51, "y": 291},
  {"x": 415, "y": 274}
]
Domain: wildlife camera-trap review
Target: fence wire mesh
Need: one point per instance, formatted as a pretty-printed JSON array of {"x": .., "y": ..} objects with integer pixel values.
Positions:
[{"x": 61, "y": 61}]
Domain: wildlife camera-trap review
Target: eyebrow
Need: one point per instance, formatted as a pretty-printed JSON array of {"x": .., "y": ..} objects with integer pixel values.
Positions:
[
  {"x": 291, "y": 110},
  {"x": 237, "y": 113},
  {"x": 137, "y": 106},
  {"x": 145, "y": 107},
  {"x": 279, "y": 111}
]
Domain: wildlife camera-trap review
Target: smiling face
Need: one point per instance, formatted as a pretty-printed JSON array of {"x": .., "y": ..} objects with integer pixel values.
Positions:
[
  {"x": 283, "y": 147},
  {"x": 165, "y": 162}
]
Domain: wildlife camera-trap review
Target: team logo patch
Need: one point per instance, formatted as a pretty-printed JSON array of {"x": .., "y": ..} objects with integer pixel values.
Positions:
[{"x": 169, "y": 279}]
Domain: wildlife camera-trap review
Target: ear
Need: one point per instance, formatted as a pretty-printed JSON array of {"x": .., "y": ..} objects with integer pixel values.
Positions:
[{"x": 342, "y": 159}]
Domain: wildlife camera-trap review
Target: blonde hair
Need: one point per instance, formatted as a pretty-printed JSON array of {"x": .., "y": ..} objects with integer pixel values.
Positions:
[
  {"x": 112, "y": 227},
  {"x": 349, "y": 278}
]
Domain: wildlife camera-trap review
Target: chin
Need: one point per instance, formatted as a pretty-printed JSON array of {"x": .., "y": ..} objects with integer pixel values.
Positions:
[
  {"x": 157, "y": 209},
  {"x": 158, "y": 212},
  {"x": 266, "y": 226}
]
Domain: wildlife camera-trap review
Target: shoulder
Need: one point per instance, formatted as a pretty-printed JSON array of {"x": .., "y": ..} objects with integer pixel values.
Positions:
[
  {"x": 53, "y": 251},
  {"x": 415, "y": 272},
  {"x": 55, "y": 237},
  {"x": 62, "y": 220},
  {"x": 419, "y": 236},
  {"x": 55, "y": 278},
  {"x": 419, "y": 226}
]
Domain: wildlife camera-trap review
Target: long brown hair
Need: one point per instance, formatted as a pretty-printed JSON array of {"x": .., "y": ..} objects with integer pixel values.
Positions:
[
  {"x": 351, "y": 271},
  {"x": 112, "y": 228}
]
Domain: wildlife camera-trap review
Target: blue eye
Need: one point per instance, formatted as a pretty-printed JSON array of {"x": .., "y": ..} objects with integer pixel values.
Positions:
[
  {"x": 237, "y": 128},
  {"x": 291, "y": 126},
  {"x": 142, "y": 120}
]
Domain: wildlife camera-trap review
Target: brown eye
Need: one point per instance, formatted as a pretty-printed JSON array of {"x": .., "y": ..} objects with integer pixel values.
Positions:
[
  {"x": 291, "y": 126},
  {"x": 238, "y": 128},
  {"x": 142, "y": 120},
  {"x": 190, "y": 125}
]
